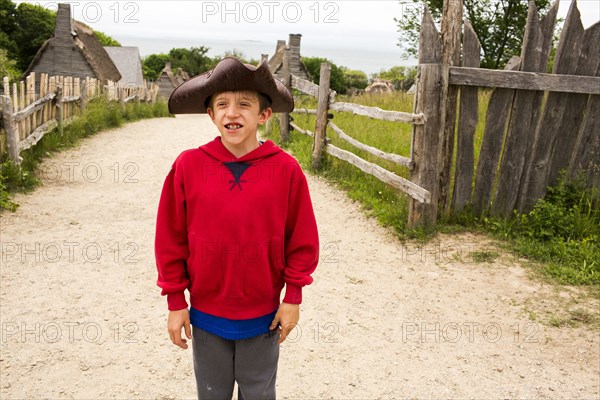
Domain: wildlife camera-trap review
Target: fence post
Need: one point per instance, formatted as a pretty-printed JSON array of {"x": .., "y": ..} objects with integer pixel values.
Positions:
[
  {"x": 59, "y": 108},
  {"x": 121, "y": 94},
  {"x": 83, "y": 96},
  {"x": 286, "y": 79},
  {"x": 432, "y": 82},
  {"x": 322, "y": 109},
  {"x": 12, "y": 135},
  {"x": 452, "y": 16}
]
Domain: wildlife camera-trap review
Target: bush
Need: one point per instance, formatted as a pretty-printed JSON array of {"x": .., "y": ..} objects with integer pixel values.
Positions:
[{"x": 562, "y": 231}]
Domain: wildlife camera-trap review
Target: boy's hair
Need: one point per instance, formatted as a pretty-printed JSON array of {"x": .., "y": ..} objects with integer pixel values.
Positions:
[{"x": 263, "y": 101}]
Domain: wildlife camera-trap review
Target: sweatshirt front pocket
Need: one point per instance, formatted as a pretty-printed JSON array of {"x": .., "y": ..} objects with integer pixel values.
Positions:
[{"x": 204, "y": 265}]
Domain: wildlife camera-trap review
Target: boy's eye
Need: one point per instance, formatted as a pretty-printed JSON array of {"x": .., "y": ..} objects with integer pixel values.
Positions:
[{"x": 245, "y": 104}]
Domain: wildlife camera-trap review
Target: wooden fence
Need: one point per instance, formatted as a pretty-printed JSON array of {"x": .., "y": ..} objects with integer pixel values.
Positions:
[
  {"x": 326, "y": 102},
  {"x": 28, "y": 114},
  {"x": 536, "y": 124}
]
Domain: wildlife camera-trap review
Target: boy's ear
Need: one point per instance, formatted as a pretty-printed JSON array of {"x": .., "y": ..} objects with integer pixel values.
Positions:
[
  {"x": 264, "y": 115},
  {"x": 211, "y": 114}
]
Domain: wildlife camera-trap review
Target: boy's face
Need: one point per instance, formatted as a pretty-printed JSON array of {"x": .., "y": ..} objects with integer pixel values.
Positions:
[{"x": 237, "y": 115}]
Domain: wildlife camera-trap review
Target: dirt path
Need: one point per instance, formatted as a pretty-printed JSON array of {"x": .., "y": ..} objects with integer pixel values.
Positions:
[{"x": 81, "y": 316}]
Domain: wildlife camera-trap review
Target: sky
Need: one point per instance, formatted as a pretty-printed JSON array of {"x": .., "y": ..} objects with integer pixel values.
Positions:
[{"x": 356, "y": 34}]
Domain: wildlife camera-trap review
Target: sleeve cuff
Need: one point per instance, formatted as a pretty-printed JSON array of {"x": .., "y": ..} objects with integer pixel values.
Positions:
[
  {"x": 293, "y": 294},
  {"x": 176, "y": 301}
]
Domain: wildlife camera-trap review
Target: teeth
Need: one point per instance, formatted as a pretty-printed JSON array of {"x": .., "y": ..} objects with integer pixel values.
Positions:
[{"x": 231, "y": 126}]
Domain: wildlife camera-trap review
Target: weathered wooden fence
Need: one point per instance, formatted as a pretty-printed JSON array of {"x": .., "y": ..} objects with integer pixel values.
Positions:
[
  {"x": 27, "y": 114},
  {"x": 536, "y": 124},
  {"x": 326, "y": 102}
]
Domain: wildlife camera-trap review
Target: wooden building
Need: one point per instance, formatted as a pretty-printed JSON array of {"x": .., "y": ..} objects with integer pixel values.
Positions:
[
  {"x": 129, "y": 63},
  {"x": 297, "y": 67},
  {"x": 167, "y": 81},
  {"x": 73, "y": 51}
]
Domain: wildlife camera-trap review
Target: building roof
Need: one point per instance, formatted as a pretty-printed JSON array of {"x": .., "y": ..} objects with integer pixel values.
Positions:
[
  {"x": 96, "y": 56},
  {"x": 84, "y": 39},
  {"x": 177, "y": 78},
  {"x": 128, "y": 62},
  {"x": 169, "y": 73}
]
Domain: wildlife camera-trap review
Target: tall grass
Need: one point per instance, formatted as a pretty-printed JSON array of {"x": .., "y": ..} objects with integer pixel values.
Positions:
[
  {"x": 100, "y": 114},
  {"x": 562, "y": 232}
]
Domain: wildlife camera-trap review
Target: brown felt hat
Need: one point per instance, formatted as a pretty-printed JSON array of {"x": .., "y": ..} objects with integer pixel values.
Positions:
[{"x": 229, "y": 75}]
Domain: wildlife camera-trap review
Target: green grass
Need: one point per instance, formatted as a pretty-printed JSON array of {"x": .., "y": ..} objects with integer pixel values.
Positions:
[
  {"x": 100, "y": 114},
  {"x": 562, "y": 233},
  {"x": 560, "y": 237}
]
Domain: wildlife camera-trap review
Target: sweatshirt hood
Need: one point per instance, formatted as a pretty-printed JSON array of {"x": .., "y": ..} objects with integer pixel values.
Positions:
[{"x": 219, "y": 152}]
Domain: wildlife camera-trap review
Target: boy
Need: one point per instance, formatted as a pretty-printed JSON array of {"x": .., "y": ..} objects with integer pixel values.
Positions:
[{"x": 235, "y": 225}]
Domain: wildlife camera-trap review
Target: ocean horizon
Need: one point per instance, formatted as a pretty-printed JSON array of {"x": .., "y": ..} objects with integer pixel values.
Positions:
[{"x": 367, "y": 60}]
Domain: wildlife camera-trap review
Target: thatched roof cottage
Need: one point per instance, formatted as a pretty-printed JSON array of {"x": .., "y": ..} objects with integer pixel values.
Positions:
[
  {"x": 380, "y": 86},
  {"x": 73, "y": 51},
  {"x": 167, "y": 81}
]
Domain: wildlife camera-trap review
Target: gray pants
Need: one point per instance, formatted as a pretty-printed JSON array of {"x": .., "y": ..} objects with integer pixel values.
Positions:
[{"x": 218, "y": 363}]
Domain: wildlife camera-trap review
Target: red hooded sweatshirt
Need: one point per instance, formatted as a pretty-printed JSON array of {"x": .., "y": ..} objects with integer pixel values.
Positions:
[{"x": 233, "y": 231}]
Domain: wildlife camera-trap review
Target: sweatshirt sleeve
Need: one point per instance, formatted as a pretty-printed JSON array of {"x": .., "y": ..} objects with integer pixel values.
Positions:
[
  {"x": 171, "y": 242},
  {"x": 301, "y": 240}
]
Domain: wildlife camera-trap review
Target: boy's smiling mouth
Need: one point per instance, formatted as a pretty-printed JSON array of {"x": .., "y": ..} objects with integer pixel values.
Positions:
[{"x": 233, "y": 127}]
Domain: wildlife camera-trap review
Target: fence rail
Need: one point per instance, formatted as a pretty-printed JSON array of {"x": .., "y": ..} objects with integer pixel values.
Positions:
[
  {"x": 326, "y": 103},
  {"x": 524, "y": 80},
  {"x": 27, "y": 114}
]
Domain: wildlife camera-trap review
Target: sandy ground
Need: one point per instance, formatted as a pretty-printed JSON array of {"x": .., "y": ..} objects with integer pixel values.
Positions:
[{"x": 81, "y": 316}]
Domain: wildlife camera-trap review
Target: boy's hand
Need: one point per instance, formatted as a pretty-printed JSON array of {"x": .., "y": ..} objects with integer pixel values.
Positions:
[
  {"x": 177, "y": 320},
  {"x": 287, "y": 316}
]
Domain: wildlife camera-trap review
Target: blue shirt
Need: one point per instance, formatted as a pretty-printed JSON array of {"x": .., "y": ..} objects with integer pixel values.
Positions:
[{"x": 231, "y": 329}]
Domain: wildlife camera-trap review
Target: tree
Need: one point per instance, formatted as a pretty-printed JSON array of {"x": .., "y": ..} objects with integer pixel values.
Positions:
[
  {"x": 8, "y": 66},
  {"x": 35, "y": 25},
  {"x": 8, "y": 25},
  {"x": 237, "y": 54},
  {"x": 153, "y": 64},
  {"x": 193, "y": 60},
  {"x": 401, "y": 77},
  {"x": 355, "y": 79},
  {"x": 500, "y": 27},
  {"x": 337, "y": 79},
  {"x": 106, "y": 40}
]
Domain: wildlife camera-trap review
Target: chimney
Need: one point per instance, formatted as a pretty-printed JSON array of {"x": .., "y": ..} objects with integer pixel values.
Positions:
[
  {"x": 280, "y": 43},
  {"x": 264, "y": 58},
  {"x": 294, "y": 43},
  {"x": 63, "y": 21}
]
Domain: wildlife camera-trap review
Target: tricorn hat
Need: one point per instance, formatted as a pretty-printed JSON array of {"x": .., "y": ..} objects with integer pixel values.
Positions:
[{"x": 230, "y": 74}]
